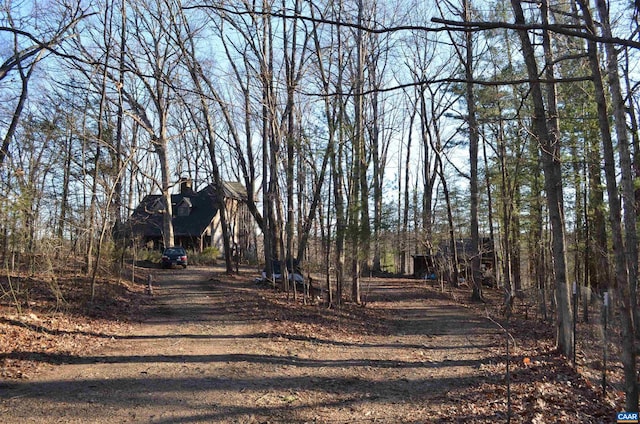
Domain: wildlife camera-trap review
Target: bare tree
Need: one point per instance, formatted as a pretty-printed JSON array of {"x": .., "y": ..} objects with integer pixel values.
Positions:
[
  {"x": 329, "y": 64},
  {"x": 465, "y": 54},
  {"x": 24, "y": 58},
  {"x": 153, "y": 60},
  {"x": 184, "y": 39}
]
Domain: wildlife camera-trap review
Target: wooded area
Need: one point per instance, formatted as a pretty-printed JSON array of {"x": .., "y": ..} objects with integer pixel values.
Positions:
[{"x": 364, "y": 132}]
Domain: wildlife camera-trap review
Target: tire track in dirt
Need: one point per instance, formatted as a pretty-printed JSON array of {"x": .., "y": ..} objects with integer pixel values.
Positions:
[{"x": 208, "y": 352}]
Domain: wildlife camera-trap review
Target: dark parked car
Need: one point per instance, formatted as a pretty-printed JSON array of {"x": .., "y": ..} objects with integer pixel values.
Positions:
[
  {"x": 293, "y": 269},
  {"x": 174, "y": 256}
]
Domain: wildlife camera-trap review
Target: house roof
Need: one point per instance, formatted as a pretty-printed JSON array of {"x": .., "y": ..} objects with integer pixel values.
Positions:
[
  {"x": 231, "y": 189},
  {"x": 146, "y": 219},
  {"x": 465, "y": 248},
  {"x": 235, "y": 190}
]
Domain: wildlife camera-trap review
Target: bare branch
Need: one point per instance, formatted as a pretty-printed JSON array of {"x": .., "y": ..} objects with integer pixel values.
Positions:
[
  {"x": 573, "y": 31},
  {"x": 558, "y": 29},
  {"x": 38, "y": 45},
  {"x": 461, "y": 81}
]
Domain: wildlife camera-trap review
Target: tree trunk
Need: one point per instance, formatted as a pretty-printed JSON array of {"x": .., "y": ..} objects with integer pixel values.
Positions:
[
  {"x": 66, "y": 179},
  {"x": 547, "y": 136},
  {"x": 117, "y": 231},
  {"x": 454, "y": 273},
  {"x": 270, "y": 252},
  {"x": 359, "y": 197},
  {"x": 405, "y": 213},
  {"x": 494, "y": 253},
  {"x": 167, "y": 214},
  {"x": 473, "y": 160},
  {"x": 198, "y": 77},
  {"x": 624, "y": 270}
]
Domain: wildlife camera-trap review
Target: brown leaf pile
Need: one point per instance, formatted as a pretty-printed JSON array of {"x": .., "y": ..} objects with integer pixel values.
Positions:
[{"x": 60, "y": 320}]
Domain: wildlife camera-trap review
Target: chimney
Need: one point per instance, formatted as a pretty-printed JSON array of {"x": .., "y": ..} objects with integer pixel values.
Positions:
[{"x": 186, "y": 185}]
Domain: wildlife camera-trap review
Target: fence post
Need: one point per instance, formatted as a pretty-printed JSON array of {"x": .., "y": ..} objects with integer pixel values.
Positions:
[
  {"x": 149, "y": 286},
  {"x": 575, "y": 319},
  {"x": 605, "y": 317},
  {"x": 508, "y": 375}
]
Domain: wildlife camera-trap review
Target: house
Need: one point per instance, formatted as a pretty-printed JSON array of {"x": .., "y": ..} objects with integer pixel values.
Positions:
[
  {"x": 466, "y": 251},
  {"x": 424, "y": 266},
  {"x": 427, "y": 265},
  {"x": 196, "y": 218}
]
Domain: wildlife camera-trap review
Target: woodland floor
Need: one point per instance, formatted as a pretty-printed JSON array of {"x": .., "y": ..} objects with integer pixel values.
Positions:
[{"x": 207, "y": 347}]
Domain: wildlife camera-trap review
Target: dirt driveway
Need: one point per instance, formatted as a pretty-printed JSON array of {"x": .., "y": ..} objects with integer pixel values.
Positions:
[{"x": 213, "y": 348}]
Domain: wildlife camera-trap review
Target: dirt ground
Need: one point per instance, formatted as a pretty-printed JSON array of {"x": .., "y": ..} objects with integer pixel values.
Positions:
[{"x": 214, "y": 348}]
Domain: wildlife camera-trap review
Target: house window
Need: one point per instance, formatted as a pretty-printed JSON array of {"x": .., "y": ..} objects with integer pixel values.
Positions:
[
  {"x": 184, "y": 207},
  {"x": 157, "y": 206}
]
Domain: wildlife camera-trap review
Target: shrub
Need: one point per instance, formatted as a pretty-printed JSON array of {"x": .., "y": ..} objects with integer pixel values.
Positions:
[
  {"x": 209, "y": 256},
  {"x": 149, "y": 255}
]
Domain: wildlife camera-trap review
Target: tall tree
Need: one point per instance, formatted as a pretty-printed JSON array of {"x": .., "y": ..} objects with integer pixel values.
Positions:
[
  {"x": 622, "y": 251},
  {"x": 465, "y": 54},
  {"x": 474, "y": 142},
  {"x": 546, "y": 132},
  {"x": 359, "y": 185},
  {"x": 153, "y": 61}
]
